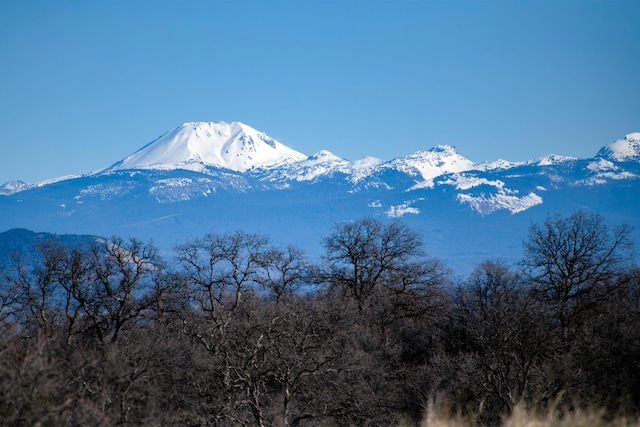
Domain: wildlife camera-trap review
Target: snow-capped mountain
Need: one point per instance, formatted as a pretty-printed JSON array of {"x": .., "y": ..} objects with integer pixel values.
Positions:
[
  {"x": 201, "y": 177},
  {"x": 13, "y": 187},
  {"x": 437, "y": 161},
  {"x": 198, "y": 145},
  {"x": 626, "y": 149}
]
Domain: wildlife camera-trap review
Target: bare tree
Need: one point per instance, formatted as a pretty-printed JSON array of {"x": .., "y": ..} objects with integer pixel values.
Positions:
[
  {"x": 367, "y": 254},
  {"x": 221, "y": 274},
  {"x": 74, "y": 276},
  {"x": 283, "y": 272},
  {"x": 574, "y": 261},
  {"x": 32, "y": 294},
  {"x": 222, "y": 268},
  {"x": 125, "y": 275},
  {"x": 508, "y": 335},
  {"x": 107, "y": 285}
]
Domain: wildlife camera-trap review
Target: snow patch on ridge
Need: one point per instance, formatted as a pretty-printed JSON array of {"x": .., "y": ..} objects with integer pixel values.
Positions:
[
  {"x": 604, "y": 177},
  {"x": 605, "y": 170},
  {"x": 551, "y": 159},
  {"x": 601, "y": 165},
  {"x": 398, "y": 211},
  {"x": 324, "y": 163},
  {"x": 486, "y": 205},
  {"x": 499, "y": 164},
  {"x": 465, "y": 182}
]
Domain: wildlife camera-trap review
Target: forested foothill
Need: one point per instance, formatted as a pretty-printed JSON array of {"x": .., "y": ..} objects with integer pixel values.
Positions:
[{"x": 233, "y": 330}]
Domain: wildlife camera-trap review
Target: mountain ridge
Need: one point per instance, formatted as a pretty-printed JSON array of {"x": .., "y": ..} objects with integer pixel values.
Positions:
[
  {"x": 194, "y": 146},
  {"x": 467, "y": 211}
]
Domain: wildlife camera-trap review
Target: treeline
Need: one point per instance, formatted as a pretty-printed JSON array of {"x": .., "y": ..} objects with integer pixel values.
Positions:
[{"x": 236, "y": 331}]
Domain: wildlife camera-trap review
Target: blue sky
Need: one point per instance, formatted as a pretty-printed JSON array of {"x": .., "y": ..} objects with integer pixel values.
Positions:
[{"x": 86, "y": 83}]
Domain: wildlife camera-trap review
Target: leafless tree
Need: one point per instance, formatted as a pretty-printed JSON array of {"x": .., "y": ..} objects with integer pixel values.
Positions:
[
  {"x": 283, "y": 272},
  {"x": 575, "y": 261},
  {"x": 106, "y": 286},
  {"x": 222, "y": 268},
  {"x": 509, "y": 337},
  {"x": 34, "y": 290},
  {"x": 367, "y": 254}
]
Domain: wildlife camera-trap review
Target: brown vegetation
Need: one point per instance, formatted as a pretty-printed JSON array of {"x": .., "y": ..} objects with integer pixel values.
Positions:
[{"x": 235, "y": 331}]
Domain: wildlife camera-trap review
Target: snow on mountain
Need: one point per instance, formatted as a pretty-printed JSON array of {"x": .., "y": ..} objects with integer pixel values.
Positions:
[
  {"x": 198, "y": 145},
  {"x": 504, "y": 199},
  {"x": 323, "y": 163},
  {"x": 439, "y": 160},
  {"x": 622, "y": 149},
  {"x": 366, "y": 163},
  {"x": 465, "y": 182},
  {"x": 604, "y": 170},
  {"x": 11, "y": 187},
  {"x": 492, "y": 194},
  {"x": 600, "y": 165},
  {"x": 398, "y": 211},
  {"x": 551, "y": 159},
  {"x": 363, "y": 168},
  {"x": 499, "y": 164}
]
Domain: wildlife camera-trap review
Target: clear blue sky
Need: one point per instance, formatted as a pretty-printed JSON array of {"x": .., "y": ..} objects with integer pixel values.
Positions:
[{"x": 86, "y": 83}]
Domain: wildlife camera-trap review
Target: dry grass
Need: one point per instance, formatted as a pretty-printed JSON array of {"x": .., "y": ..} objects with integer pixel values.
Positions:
[{"x": 521, "y": 417}]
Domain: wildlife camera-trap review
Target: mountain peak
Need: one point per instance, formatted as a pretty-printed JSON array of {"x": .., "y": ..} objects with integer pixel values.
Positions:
[
  {"x": 447, "y": 149},
  {"x": 196, "y": 145},
  {"x": 439, "y": 160},
  {"x": 12, "y": 187},
  {"x": 326, "y": 156},
  {"x": 622, "y": 149},
  {"x": 551, "y": 159}
]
